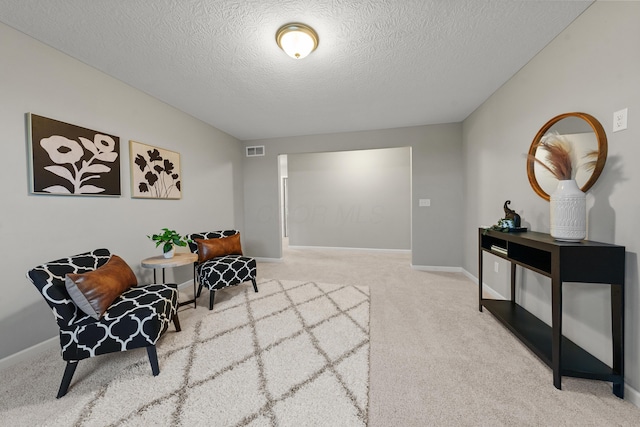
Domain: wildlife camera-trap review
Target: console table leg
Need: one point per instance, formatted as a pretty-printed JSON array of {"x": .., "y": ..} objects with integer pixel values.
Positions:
[
  {"x": 556, "y": 339},
  {"x": 480, "y": 275},
  {"x": 618, "y": 389},
  {"x": 513, "y": 282},
  {"x": 617, "y": 334}
]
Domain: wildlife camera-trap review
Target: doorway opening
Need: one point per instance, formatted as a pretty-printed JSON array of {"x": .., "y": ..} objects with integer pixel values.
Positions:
[{"x": 348, "y": 199}]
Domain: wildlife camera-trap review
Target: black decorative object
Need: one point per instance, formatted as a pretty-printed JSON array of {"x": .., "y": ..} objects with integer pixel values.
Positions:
[
  {"x": 510, "y": 223},
  {"x": 510, "y": 214}
]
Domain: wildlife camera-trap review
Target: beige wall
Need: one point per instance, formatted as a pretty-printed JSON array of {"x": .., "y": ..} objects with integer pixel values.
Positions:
[
  {"x": 351, "y": 199},
  {"x": 593, "y": 67},
  {"x": 38, "y": 228},
  {"x": 436, "y": 174}
]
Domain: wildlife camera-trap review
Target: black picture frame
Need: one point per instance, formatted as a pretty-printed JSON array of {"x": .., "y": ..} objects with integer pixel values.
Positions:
[{"x": 70, "y": 160}]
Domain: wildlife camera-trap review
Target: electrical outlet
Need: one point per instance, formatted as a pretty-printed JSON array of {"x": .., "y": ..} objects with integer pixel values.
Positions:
[
  {"x": 496, "y": 267},
  {"x": 620, "y": 120},
  {"x": 424, "y": 202}
]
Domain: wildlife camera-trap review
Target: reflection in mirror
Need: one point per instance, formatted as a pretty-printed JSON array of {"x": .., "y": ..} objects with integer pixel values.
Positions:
[
  {"x": 583, "y": 141},
  {"x": 586, "y": 136}
]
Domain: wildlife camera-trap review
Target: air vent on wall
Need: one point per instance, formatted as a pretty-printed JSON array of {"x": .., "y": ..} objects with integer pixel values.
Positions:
[{"x": 255, "y": 151}]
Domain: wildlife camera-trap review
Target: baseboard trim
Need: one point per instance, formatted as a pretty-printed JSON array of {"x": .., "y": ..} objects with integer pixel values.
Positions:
[
  {"x": 486, "y": 288},
  {"x": 28, "y": 353},
  {"x": 437, "y": 268},
  {"x": 263, "y": 259},
  {"x": 631, "y": 395},
  {"x": 338, "y": 248},
  {"x": 471, "y": 277}
]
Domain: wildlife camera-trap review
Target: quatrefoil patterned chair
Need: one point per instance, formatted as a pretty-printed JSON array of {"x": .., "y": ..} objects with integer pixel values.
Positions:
[
  {"x": 220, "y": 261},
  {"x": 100, "y": 309}
]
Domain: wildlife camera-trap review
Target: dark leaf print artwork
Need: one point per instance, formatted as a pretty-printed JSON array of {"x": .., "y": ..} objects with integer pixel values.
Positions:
[
  {"x": 154, "y": 156},
  {"x": 72, "y": 160},
  {"x": 155, "y": 172}
]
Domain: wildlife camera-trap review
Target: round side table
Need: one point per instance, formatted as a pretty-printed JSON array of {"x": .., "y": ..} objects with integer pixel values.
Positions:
[{"x": 178, "y": 260}]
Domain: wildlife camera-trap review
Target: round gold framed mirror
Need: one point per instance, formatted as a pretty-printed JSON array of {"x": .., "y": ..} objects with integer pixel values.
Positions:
[{"x": 586, "y": 135}]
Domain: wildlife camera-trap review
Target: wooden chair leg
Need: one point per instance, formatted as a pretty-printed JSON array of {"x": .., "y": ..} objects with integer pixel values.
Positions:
[
  {"x": 153, "y": 359},
  {"x": 255, "y": 286},
  {"x": 212, "y": 294},
  {"x": 69, "y": 370},
  {"x": 199, "y": 290},
  {"x": 176, "y": 322}
]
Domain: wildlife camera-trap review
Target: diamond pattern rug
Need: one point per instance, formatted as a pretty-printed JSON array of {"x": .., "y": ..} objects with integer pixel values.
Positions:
[{"x": 293, "y": 354}]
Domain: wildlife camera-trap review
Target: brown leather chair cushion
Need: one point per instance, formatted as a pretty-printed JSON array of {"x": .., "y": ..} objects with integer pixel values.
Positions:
[
  {"x": 93, "y": 292},
  {"x": 211, "y": 248}
]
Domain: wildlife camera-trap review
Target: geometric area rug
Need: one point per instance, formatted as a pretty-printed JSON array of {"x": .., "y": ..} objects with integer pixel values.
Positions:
[{"x": 293, "y": 354}]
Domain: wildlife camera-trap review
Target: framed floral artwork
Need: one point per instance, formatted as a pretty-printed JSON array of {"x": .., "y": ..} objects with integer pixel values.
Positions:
[
  {"x": 155, "y": 172},
  {"x": 66, "y": 159}
]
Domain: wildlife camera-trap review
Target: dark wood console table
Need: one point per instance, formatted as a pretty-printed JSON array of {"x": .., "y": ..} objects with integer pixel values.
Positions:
[{"x": 585, "y": 262}]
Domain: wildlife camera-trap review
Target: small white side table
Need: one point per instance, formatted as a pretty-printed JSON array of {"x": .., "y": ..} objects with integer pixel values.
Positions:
[{"x": 178, "y": 260}]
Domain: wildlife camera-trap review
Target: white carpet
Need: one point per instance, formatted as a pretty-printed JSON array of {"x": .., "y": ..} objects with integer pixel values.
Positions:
[{"x": 296, "y": 353}]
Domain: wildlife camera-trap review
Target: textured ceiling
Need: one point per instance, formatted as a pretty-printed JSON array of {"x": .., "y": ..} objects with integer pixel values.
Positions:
[{"x": 380, "y": 63}]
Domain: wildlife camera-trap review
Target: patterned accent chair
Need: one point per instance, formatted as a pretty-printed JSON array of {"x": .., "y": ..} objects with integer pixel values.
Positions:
[
  {"x": 136, "y": 318},
  {"x": 228, "y": 269}
]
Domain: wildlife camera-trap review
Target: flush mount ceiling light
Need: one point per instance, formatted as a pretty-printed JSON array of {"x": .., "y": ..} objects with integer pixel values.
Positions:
[{"x": 297, "y": 40}]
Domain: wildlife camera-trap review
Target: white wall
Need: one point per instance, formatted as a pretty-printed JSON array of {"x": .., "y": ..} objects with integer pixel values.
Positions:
[
  {"x": 436, "y": 174},
  {"x": 592, "y": 67},
  {"x": 351, "y": 199},
  {"x": 38, "y": 228}
]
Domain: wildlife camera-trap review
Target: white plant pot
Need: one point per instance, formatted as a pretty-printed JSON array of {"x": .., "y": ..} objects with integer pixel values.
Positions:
[
  {"x": 170, "y": 253},
  {"x": 568, "y": 212}
]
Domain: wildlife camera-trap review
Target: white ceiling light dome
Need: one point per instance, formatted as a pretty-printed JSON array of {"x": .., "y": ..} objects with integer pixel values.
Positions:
[{"x": 297, "y": 40}]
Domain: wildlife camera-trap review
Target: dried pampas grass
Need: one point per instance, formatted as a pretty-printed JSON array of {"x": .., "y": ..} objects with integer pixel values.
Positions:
[
  {"x": 559, "y": 158},
  {"x": 592, "y": 160}
]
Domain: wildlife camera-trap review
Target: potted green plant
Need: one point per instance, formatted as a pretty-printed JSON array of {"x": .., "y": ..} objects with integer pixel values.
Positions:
[{"x": 169, "y": 239}]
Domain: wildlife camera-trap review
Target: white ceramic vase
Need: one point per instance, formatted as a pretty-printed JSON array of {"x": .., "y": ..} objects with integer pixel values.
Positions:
[
  {"x": 170, "y": 253},
  {"x": 568, "y": 212}
]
